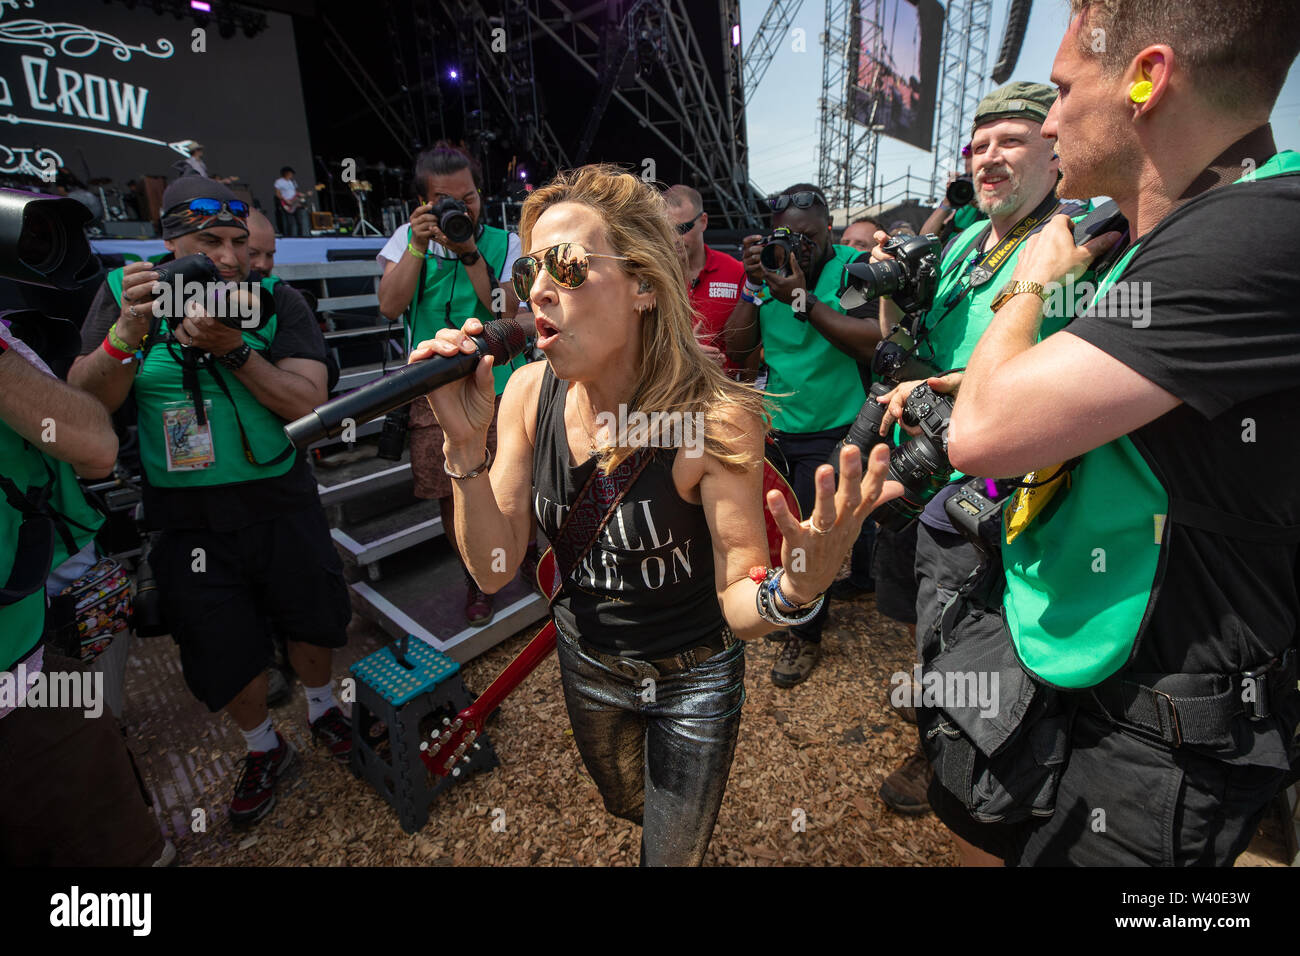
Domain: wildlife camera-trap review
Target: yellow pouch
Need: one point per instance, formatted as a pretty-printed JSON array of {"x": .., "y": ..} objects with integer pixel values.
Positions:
[{"x": 1026, "y": 503}]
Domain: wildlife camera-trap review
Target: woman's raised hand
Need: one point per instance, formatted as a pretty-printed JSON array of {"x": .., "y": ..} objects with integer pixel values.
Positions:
[{"x": 814, "y": 549}]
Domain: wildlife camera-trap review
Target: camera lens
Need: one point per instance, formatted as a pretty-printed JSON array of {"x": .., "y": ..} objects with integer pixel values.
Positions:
[
  {"x": 960, "y": 192},
  {"x": 42, "y": 242},
  {"x": 775, "y": 255}
]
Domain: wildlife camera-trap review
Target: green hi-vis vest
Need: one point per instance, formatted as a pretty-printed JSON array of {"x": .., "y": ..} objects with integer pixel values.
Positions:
[
  {"x": 446, "y": 283},
  {"x": 825, "y": 382},
  {"x": 22, "y": 622},
  {"x": 159, "y": 382},
  {"x": 1072, "y": 624}
]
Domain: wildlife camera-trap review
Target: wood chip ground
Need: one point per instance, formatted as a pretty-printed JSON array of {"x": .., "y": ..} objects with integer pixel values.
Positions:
[{"x": 822, "y": 748}]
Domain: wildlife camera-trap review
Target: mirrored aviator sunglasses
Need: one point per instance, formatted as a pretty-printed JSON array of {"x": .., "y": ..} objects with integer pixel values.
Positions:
[{"x": 566, "y": 262}]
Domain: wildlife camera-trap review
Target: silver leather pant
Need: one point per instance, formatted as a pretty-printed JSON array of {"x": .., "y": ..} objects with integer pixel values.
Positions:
[{"x": 659, "y": 752}]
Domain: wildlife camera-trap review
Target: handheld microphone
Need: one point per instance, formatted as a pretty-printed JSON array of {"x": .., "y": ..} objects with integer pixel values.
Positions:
[{"x": 503, "y": 339}]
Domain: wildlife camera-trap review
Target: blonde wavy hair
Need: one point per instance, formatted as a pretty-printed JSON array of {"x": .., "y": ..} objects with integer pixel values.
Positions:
[{"x": 675, "y": 374}]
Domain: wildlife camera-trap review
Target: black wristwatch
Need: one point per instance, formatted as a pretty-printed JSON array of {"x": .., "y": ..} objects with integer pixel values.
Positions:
[
  {"x": 469, "y": 258},
  {"x": 235, "y": 358}
]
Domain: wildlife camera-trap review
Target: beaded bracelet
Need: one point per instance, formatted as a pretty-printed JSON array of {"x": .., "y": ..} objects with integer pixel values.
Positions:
[{"x": 120, "y": 343}]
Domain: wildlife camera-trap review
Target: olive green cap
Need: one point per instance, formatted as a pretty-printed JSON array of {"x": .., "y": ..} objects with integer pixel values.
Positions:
[{"x": 1018, "y": 100}]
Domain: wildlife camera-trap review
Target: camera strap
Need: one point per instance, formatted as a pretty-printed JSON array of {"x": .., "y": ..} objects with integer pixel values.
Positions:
[{"x": 986, "y": 266}]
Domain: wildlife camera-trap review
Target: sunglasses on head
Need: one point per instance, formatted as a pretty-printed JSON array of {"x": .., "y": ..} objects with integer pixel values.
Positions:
[
  {"x": 212, "y": 207},
  {"x": 800, "y": 200},
  {"x": 567, "y": 262},
  {"x": 684, "y": 227}
]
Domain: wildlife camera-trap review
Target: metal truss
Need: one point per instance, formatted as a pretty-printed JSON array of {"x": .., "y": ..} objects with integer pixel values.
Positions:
[
  {"x": 700, "y": 122},
  {"x": 963, "y": 82},
  {"x": 846, "y": 168},
  {"x": 501, "y": 84},
  {"x": 761, "y": 48}
]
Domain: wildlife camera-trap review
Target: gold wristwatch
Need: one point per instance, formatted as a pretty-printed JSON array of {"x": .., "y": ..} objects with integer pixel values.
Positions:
[{"x": 1015, "y": 288}]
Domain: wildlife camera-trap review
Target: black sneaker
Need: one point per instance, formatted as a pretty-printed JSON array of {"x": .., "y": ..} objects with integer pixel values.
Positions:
[
  {"x": 255, "y": 790},
  {"x": 846, "y": 590},
  {"x": 335, "y": 732}
]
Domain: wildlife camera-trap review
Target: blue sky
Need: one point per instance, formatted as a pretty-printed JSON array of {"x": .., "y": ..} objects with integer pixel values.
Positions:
[{"x": 782, "y": 116}]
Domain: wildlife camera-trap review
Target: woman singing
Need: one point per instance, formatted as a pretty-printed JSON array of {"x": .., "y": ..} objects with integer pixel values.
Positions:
[{"x": 654, "y": 618}]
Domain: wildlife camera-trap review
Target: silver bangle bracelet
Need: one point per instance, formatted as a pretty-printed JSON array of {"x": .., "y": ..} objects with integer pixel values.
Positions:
[
  {"x": 770, "y": 612},
  {"x": 487, "y": 462}
]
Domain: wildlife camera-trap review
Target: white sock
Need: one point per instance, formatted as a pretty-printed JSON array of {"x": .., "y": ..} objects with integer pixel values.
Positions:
[
  {"x": 319, "y": 700},
  {"x": 262, "y": 737}
]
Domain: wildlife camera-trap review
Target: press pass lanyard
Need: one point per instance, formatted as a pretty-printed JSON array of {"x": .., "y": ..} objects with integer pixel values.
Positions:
[{"x": 984, "y": 267}]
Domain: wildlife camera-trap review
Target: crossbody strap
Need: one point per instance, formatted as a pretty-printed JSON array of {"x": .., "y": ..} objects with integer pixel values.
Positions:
[{"x": 596, "y": 503}]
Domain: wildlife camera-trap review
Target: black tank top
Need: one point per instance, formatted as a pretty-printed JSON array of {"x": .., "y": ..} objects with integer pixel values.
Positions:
[{"x": 646, "y": 588}]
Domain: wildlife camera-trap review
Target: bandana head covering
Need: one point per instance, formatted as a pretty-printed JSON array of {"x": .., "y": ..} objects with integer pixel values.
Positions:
[{"x": 179, "y": 220}]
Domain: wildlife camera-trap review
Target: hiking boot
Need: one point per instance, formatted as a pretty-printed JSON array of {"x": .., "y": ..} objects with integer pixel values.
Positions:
[
  {"x": 478, "y": 606},
  {"x": 335, "y": 732},
  {"x": 846, "y": 590},
  {"x": 904, "y": 790},
  {"x": 255, "y": 790},
  {"x": 795, "y": 662},
  {"x": 277, "y": 688}
]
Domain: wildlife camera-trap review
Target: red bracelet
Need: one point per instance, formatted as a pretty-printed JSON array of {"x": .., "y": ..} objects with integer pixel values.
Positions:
[
  {"x": 758, "y": 574},
  {"x": 116, "y": 352}
]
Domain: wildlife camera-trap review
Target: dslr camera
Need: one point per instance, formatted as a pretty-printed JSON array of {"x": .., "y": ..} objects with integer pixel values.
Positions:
[
  {"x": 197, "y": 269},
  {"x": 921, "y": 465},
  {"x": 781, "y": 249},
  {"x": 909, "y": 278},
  {"x": 453, "y": 219}
]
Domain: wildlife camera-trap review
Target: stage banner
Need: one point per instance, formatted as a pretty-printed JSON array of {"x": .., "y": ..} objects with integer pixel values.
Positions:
[
  {"x": 111, "y": 92},
  {"x": 896, "y": 47}
]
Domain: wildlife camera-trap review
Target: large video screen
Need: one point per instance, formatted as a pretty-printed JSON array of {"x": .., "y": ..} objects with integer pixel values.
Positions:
[
  {"x": 108, "y": 92},
  {"x": 897, "y": 54}
]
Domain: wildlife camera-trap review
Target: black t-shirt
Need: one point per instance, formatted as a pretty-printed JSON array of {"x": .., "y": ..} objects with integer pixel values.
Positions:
[
  {"x": 227, "y": 507},
  {"x": 646, "y": 589},
  {"x": 1224, "y": 337}
]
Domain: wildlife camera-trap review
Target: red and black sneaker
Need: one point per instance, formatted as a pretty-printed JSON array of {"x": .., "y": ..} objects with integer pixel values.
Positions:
[
  {"x": 335, "y": 732},
  {"x": 255, "y": 790}
]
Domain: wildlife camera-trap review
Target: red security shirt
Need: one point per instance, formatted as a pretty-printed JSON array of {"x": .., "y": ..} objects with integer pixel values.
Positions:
[{"x": 713, "y": 296}]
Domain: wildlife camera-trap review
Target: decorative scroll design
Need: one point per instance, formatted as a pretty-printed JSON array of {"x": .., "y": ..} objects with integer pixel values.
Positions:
[
  {"x": 73, "y": 39},
  {"x": 30, "y": 161}
]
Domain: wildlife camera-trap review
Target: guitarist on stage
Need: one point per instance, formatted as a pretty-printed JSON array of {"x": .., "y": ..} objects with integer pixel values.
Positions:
[
  {"x": 290, "y": 205},
  {"x": 660, "y": 544}
]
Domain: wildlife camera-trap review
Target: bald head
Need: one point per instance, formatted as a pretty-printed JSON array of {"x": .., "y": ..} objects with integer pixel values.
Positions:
[{"x": 261, "y": 242}]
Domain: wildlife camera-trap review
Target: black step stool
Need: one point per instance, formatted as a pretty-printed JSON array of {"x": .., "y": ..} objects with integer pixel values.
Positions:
[{"x": 405, "y": 685}]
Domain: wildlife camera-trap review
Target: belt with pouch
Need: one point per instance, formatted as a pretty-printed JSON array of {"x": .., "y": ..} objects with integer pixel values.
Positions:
[
  {"x": 638, "y": 669},
  {"x": 1196, "y": 709}
]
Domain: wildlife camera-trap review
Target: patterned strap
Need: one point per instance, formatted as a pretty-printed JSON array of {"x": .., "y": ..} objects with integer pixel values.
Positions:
[{"x": 594, "y": 506}]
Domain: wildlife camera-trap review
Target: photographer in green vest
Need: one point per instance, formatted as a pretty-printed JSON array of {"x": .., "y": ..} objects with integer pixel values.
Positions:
[
  {"x": 244, "y": 543},
  {"x": 70, "y": 796},
  {"x": 1014, "y": 174},
  {"x": 1145, "y": 631},
  {"x": 437, "y": 281}
]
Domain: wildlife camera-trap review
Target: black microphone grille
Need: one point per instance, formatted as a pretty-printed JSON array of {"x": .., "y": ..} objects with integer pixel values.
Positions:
[{"x": 504, "y": 339}]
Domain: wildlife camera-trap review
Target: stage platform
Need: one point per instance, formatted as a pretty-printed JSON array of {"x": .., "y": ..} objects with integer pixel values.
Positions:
[{"x": 287, "y": 250}]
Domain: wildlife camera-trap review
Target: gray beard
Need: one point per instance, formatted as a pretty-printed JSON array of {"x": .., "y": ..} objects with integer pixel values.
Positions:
[{"x": 998, "y": 207}]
